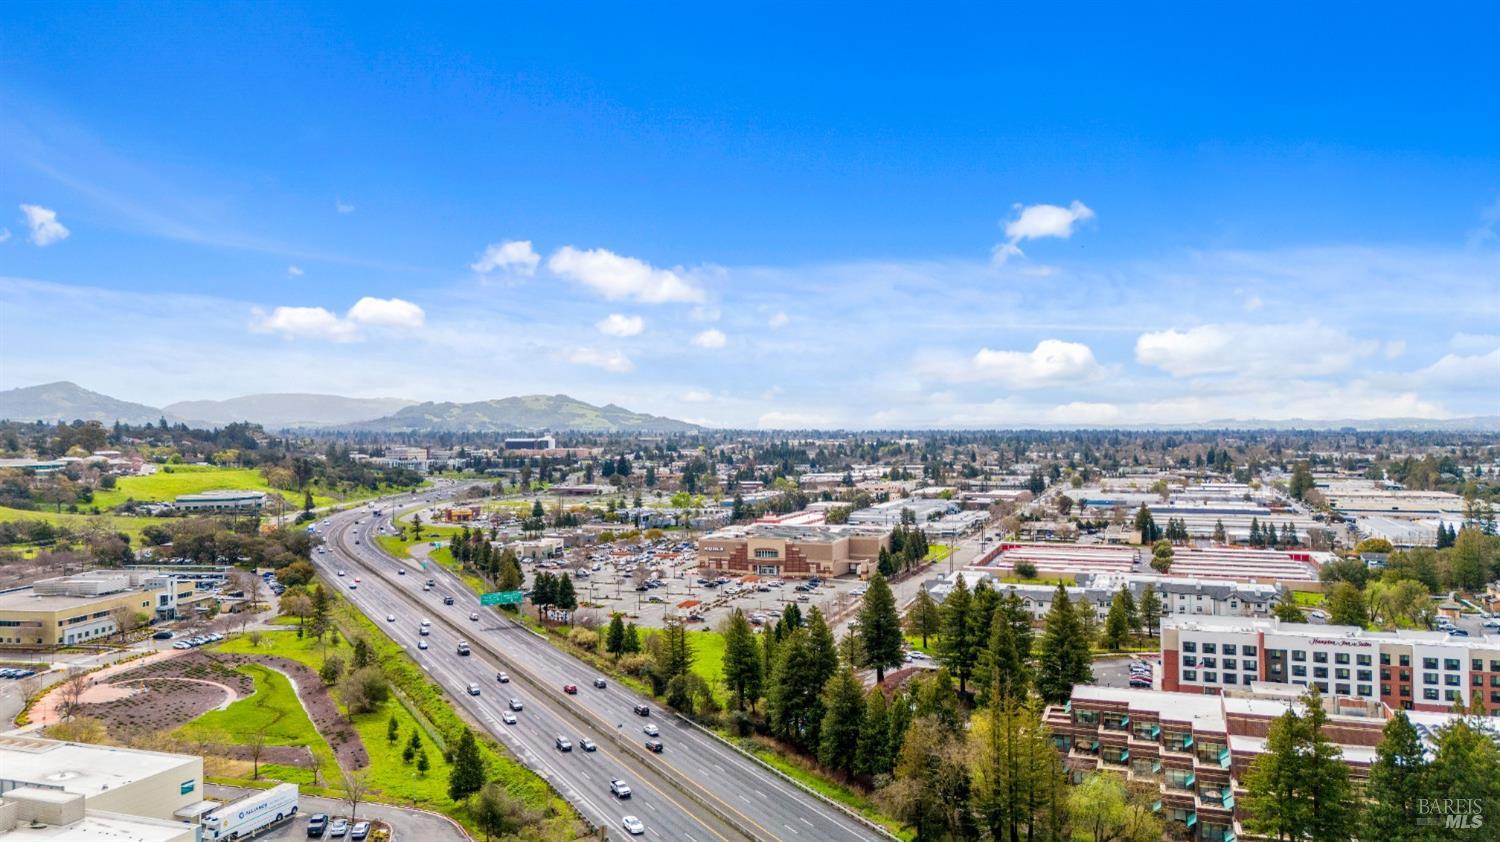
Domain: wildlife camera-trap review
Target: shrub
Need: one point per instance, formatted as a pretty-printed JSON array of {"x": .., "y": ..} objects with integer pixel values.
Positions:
[{"x": 364, "y": 690}]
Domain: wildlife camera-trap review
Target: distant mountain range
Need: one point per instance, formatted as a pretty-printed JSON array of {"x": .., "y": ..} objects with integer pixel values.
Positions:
[
  {"x": 286, "y": 411},
  {"x": 530, "y": 412},
  {"x": 64, "y": 401}
]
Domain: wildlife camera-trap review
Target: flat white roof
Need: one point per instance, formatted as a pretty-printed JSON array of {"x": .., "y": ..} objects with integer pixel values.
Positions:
[
  {"x": 100, "y": 826},
  {"x": 84, "y": 769}
]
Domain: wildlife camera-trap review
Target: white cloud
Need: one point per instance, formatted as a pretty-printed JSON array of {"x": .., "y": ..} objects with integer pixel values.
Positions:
[
  {"x": 4, "y": 234},
  {"x": 342, "y": 206},
  {"x": 513, "y": 255},
  {"x": 1279, "y": 350},
  {"x": 387, "y": 312},
  {"x": 793, "y": 420},
  {"x": 45, "y": 229},
  {"x": 617, "y": 277},
  {"x": 1480, "y": 372},
  {"x": 1083, "y": 412},
  {"x": 1033, "y": 222},
  {"x": 303, "y": 323},
  {"x": 1394, "y": 348},
  {"x": 321, "y": 323},
  {"x": 711, "y": 338},
  {"x": 607, "y": 360},
  {"x": 1052, "y": 362},
  {"x": 697, "y": 396},
  {"x": 616, "y": 324},
  {"x": 779, "y": 320},
  {"x": 294, "y": 271}
]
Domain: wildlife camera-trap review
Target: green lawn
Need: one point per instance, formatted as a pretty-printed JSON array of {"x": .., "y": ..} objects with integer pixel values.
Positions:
[
  {"x": 275, "y": 711},
  {"x": 938, "y": 552},
  {"x": 1308, "y": 597},
  {"x": 169, "y": 481},
  {"x": 131, "y": 526}
]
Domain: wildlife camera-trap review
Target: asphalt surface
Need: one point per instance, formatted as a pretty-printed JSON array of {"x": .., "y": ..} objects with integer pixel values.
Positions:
[
  {"x": 406, "y": 825},
  {"x": 698, "y": 789}
]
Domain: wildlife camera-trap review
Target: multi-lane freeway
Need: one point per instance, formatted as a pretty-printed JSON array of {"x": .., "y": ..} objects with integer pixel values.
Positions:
[{"x": 698, "y": 787}]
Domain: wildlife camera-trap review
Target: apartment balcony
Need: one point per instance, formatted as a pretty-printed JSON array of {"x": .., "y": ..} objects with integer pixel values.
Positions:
[
  {"x": 1177, "y": 742},
  {"x": 1085, "y": 747},
  {"x": 1212, "y": 832},
  {"x": 1145, "y": 769},
  {"x": 1148, "y": 731},
  {"x": 1177, "y": 779},
  {"x": 1116, "y": 756},
  {"x": 1117, "y": 723}
]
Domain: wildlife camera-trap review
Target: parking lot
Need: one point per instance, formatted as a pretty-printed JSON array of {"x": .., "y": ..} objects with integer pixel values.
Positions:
[
  {"x": 650, "y": 581},
  {"x": 1116, "y": 671}
]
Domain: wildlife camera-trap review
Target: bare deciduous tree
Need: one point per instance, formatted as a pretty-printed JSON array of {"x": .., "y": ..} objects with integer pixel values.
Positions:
[
  {"x": 71, "y": 693},
  {"x": 356, "y": 783}
]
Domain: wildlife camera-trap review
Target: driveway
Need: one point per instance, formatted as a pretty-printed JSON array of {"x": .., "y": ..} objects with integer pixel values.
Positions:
[{"x": 406, "y": 825}]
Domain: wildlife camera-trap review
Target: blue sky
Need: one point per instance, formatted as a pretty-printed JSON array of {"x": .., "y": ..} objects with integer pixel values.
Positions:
[{"x": 768, "y": 217}]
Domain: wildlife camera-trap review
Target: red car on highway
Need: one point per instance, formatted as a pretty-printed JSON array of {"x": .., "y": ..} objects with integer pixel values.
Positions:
[{"x": 570, "y": 689}]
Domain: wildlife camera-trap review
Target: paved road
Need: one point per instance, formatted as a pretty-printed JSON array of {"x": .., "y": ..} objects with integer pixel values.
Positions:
[
  {"x": 406, "y": 825},
  {"x": 699, "y": 788}
]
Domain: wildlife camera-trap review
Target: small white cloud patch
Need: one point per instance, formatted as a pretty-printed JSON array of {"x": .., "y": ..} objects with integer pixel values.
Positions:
[
  {"x": 45, "y": 229},
  {"x": 616, "y": 324},
  {"x": 618, "y": 277},
  {"x": 608, "y": 360},
  {"x": 1034, "y": 222},
  {"x": 711, "y": 338},
  {"x": 511, "y": 255}
]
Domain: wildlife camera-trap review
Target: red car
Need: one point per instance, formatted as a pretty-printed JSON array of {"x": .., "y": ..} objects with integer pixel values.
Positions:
[{"x": 570, "y": 689}]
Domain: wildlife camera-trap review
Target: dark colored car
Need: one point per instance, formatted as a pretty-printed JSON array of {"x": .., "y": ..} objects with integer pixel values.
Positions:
[
  {"x": 642, "y": 710},
  {"x": 447, "y": 600},
  {"x": 316, "y": 825},
  {"x": 570, "y": 689},
  {"x": 653, "y": 746},
  {"x": 599, "y": 682}
]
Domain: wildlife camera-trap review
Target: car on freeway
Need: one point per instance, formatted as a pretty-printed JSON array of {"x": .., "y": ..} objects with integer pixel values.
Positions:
[
  {"x": 515, "y": 705},
  {"x": 447, "y": 600},
  {"x": 502, "y": 677},
  {"x": 653, "y": 746},
  {"x": 587, "y": 744},
  {"x": 356, "y": 580},
  {"x": 316, "y": 824},
  {"x": 651, "y": 730},
  {"x": 619, "y": 788},
  {"x": 401, "y": 571},
  {"x": 338, "y": 827},
  {"x": 463, "y": 647},
  {"x": 421, "y": 644},
  {"x": 570, "y": 689},
  {"x": 359, "y": 831},
  {"x": 390, "y": 618},
  {"x": 424, "y": 631},
  {"x": 353, "y": 586},
  {"x": 507, "y": 717},
  {"x": 563, "y": 743},
  {"x": 341, "y": 572},
  {"x": 599, "y": 682},
  {"x": 473, "y": 689},
  {"x": 642, "y": 710},
  {"x": 632, "y": 825}
]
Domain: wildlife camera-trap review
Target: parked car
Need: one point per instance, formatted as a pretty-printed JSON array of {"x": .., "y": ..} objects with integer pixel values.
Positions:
[
  {"x": 359, "y": 831},
  {"x": 338, "y": 827},
  {"x": 316, "y": 825}
]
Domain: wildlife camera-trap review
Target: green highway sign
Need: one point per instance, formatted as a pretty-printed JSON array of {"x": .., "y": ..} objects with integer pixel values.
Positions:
[{"x": 500, "y": 598}]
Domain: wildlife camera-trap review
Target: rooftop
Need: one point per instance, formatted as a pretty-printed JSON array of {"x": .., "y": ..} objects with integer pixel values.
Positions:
[
  {"x": 101, "y": 826},
  {"x": 80, "y": 768}
]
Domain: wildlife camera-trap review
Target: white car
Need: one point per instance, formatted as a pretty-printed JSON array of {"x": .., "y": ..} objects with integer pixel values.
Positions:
[
  {"x": 424, "y": 631},
  {"x": 507, "y": 717},
  {"x": 633, "y": 825},
  {"x": 619, "y": 788},
  {"x": 651, "y": 730},
  {"x": 473, "y": 689},
  {"x": 341, "y": 572},
  {"x": 401, "y": 571},
  {"x": 474, "y": 615},
  {"x": 390, "y": 618},
  {"x": 421, "y": 644}
]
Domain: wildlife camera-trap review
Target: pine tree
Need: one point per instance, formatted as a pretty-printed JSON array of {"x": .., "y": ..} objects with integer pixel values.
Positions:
[
  {"x": 1220, "y": 535},
  {"x": 1398, "y": 779},
  {"x": 566, "y": 598},
  {"x": 632, "y": 638},
  {"x": 1064, "y": 659},
  {"x": 794, "y": 699},
  {"x": 844, "y": 708},
  {"x": 880, "y": 628},
  {"x": 1150, "y": 610},
  {"x": 956, "y": 641},
  {"x": 1003, "y": 665},
  {"x": 1117, "y": 624},
  {"x": 1299, "y": 788},
  {"x": 467, "y": 775},
  {"x": 614, "y": 638},
  {"x": 422, "y": 763},
  {"x": 392, "y": 730},
  {"x": 873, "y": 755},
  {"x": 923, "y": 618},
  {"x": 742, "y": 664}
]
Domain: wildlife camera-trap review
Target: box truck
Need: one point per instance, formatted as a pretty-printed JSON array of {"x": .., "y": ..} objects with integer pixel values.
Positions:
[{"x": 250, "y": 815}]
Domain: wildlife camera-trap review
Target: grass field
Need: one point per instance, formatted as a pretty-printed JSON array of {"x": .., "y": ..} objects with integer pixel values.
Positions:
[
  {"x": 1308, "y": 597},
  {"x": 275, "y": 711},
  {"x": 131, "y": 526},
  {"x": 169, "y": 481},
  {"x": 938, "y": 552}
]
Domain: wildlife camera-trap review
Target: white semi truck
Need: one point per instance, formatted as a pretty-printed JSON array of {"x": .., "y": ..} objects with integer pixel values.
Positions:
[{"x": 250, "y": 815}]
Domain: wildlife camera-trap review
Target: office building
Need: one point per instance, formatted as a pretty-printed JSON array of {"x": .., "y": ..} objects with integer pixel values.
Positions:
[
  {"x": 87, "y": 606},
  {"x": 221, "y": 501}
]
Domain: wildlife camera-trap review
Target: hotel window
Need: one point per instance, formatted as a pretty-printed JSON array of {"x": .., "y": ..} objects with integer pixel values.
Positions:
[
  {"x": 1322, "y": 687},
  {"x": 1341, "y": 689},
  {"x": 1248, "y": 666},
  {"x": 1495, "y": 681},
  {"x": 1385, "y": 689},
  {"x": 1405, "y": 691},
  {"x": 1320, "y": 672},
  {"x": 1363, "y": 660},
  {"x": 1429, "y": 678},
  {"x": 1189, "y": 675},
  {"x": 1341, "y": 672},
  {"x": 1210, "y": 663},
  {"x": 1452, "y": 680},
  {"x": 1320, "y": 657},
  {"x": 1341, "y": 658},
  {"x": 1477, "y": 680},
  {"x": 1248, "y": 651},
  {"x": 1428, "y": 663},
  {"x": 1189, "y": 646},
  {"x": 1385, "y": 659},
  {"x": 1430, "y": 693},
  {"x": 1450, "y": 695},
  {"x": 1230, "y": 649},
  {"x": 1494, "y": 696},
  {"x": 1230, "y": 678},
  {"x": 1476, "y": 665},
  {"x": 1405, "y": 660},
  {"x": 1366, "y": 675},
  {"x": 1450, "y": 663},
  {"x": 1210, "y": 678},
  {"x": 1299, "y": 670},
  {"x": 1494, "y": 666},
  {"x": 1210, "y": 648},
  {"x": 1190, "y": 660},
  {"x": 1299, "y": 655}
]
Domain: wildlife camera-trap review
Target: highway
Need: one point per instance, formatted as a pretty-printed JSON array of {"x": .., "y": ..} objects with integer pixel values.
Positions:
[{"x": 698, "y": 788}]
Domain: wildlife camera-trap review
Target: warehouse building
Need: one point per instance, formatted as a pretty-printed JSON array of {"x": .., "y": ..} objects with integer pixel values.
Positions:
[
  {"x": 797, "y": 552},
  {"x": 86, "y": 606}
]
